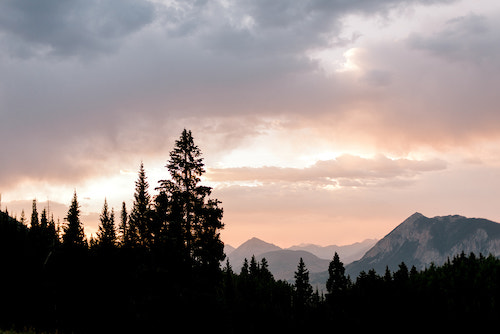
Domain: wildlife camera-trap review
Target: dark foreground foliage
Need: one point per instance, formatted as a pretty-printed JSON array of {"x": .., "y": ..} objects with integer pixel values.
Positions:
[
  {"x": 160, "y": 271},
  {"x": 147, "y": 290}
]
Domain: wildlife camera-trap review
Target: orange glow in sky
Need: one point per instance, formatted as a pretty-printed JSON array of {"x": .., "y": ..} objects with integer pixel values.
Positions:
[{"x": 320, "y": 124}]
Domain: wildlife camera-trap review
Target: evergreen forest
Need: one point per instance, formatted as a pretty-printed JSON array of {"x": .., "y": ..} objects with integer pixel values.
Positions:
[{"x": 158, "y": 267}]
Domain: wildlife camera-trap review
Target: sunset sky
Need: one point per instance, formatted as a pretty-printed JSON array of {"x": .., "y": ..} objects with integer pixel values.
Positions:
[{"x": 322, "y": 122}]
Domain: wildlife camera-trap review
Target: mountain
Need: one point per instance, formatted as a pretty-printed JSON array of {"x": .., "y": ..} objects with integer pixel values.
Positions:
[
  {"x": 283, "y": 263},
  {"x": 228, "y": 249},
  {"x": 250, "y": 247},
  {"x": 420, "y": 240},
  {"x": 347, "y": 253}
]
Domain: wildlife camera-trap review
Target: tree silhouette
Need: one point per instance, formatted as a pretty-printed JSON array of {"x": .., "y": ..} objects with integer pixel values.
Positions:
[
  {"x": 192, "y": 217},
  {"x": 34, "y": 217},
  {"x": 264, "y": 273},
  {"x": 124, "y": 228},
  {"x": 244, "y": 268},
  {"x": 185, "y": 167},
  {"x": 303, "y": 289},
  {"x": 22, "y": 219},
  {"x": 140, "y": 215},
  {"x": 254, "y": 267},
  {"x": 337, "y": 282},
  {"x": 74, "y": 236},
  {"x": 106, "y": 234}
]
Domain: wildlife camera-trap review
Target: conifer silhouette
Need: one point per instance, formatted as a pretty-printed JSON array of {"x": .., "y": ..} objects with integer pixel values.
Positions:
[
  {"x": 303, "y": 289},
  {"x": 74, "y": 236},
  {"x": 140, "y": 215},
  {"x": 192, "y": 217},
  {"x": 106, "y": 234}
]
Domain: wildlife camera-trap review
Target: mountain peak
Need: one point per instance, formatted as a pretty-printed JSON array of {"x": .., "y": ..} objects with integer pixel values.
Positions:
[
  {"x": 256, "y": 242},
  {"x": 253, "y": 246},
  {"x": 413, "y": 218},
  {"x": 420, "y": 240}
]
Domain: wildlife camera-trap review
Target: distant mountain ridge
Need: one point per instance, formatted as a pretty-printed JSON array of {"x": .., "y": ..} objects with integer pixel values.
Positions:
[
  {"x": 253, "y": 246},
  {"x": 256, "y": 246},
  {"x": 347, "y": 253},
  {"x": 420, "y": 240},
  {"x": 283, "y": 262}
]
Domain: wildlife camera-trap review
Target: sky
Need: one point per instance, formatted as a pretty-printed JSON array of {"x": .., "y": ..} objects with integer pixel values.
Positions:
[{"x": 323, "y": 122}]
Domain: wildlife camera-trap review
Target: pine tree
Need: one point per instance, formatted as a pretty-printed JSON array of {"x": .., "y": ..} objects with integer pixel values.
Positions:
[
  {"x": 401, "y": 276},
  {"x": 35, "y": 233},
  {"x": 123, "y": 228},
  {"x": 34, "y": 217},
  {"x": 47, "y": 233},
  {"x": 106, "y": 235},
  {"x": 185, "y": 167},
  {"x": 44, "y": 221},
  {"x": 22, "y": 220},
  {"x": 264, "y": 273},
  {"x": 387, "y": 275},
  {"x": 337, "y": 282},
  {"x": 189, "y": 211},
  {"x": 254, "y": 267},
  {"x": 244, "y": 269},
  {"x": 74, "y": 236},
  {"x": 140, "y": 216},
  {"x": 303, "y": 289},
  {"x": 52, "y": 232}
]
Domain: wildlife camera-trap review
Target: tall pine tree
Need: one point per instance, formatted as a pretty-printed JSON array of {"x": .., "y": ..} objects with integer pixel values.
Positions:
[
  {"x": 123, "y": 228},
  {"x": 196, "y": 218},
  {"x": 303, "y": 289},
  {"x": 106, "y": 235},
  {"x": 74, "y": 236},
  {"x": 34, "y": 217},
  {"x": 141, "y": 215},
  {"x": 337, "y": 282}
]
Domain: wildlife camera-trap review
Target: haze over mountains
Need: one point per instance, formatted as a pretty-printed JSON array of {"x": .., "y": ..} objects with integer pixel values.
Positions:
[
  {"x": 283, "y": 262},
  {"x": 418, "y": 241}
]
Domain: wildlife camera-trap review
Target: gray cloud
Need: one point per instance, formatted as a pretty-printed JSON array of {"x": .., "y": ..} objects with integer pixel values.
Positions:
[
  {"x": 90, "y": 87},
  {"x": 468, "y": 38},
  {"x": 75, "y": 27},
  {"x": 263, "y": 27},
  {"x": 67, "y": 114}
]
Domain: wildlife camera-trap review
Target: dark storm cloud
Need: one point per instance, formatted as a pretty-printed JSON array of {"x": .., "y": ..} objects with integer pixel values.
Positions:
[
  {"x": 71, "y": 27},
  {"x": 266, "y": 27}
]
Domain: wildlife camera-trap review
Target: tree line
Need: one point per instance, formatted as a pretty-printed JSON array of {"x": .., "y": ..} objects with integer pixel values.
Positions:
[
  {"x": 159, "y": 266},
  {"x": 148, "y": 268},
  {"x": 464, "y": 291}
]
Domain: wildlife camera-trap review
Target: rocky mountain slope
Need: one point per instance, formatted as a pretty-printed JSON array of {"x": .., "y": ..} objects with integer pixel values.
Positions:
[{"x": 420, "y": 240}]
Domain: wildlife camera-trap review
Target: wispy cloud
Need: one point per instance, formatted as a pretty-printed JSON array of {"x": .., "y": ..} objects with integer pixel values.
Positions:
[{"x": 346, "y": 170}]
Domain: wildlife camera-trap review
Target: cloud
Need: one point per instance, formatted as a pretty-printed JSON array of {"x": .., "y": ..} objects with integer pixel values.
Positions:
[
  {"x": 465, "y": 39},
  {"x": 269, "y": 28},
  {"x": 92, "y": 87},
  {"x": 70, "y": 28},
  {"x": 227, "y": 70},
  {"x": 282, "y": 211},
  {"x": 345, "y": 171}
]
